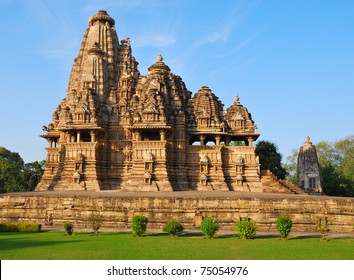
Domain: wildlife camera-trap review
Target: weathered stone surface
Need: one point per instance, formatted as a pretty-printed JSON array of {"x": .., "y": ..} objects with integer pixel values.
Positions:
[
  {"x": 308, "y": 170},
  {"x": 117, "y": 208}
]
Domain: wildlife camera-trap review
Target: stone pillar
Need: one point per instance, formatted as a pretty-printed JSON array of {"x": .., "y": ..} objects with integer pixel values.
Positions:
[
  {"x": 93, "y": 136},
  {"x": 137, "y": 136},
  {"x": 250, "y": 141},
  {"x": 162, "y": 135},
  {"x": 78, "y": 136},
  {"x": 202, "y": 139},
  {"x": 227, "y": 141},
  {"x": 217, "y": 140}
]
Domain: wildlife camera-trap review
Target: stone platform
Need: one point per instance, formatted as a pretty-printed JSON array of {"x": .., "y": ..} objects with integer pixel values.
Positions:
[{"x": 53, "y": 208}]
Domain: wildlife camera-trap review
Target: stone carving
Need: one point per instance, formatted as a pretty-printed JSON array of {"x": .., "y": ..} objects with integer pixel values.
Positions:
[{"x": 308, "y": 170}]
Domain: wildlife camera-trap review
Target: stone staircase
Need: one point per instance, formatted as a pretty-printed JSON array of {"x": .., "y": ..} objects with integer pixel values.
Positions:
[
  {"x": 271, "y": 184},
  {"x": 293, "y": 188}
]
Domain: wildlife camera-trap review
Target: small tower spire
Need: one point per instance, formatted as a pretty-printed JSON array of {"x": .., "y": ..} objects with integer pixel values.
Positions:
[{"x": 308, "y": 170}]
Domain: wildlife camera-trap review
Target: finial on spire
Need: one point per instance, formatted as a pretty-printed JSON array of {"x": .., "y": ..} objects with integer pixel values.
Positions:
[
  {"x": 159, "y": 58},
  {"x": 102, "y": 16},
  {"x": 159, "y": 65},
  {"x": 237, "y": 99},
  {"x": 307, "y": 143}
]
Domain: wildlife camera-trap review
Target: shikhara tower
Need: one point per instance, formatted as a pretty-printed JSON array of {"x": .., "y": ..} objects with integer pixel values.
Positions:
[
  {"x": 118, "y": 130},
  {"x": 308, "y": 170}
]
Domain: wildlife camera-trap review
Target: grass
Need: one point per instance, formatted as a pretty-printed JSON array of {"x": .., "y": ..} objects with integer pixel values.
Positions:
[{"x": 110, "y": 246}]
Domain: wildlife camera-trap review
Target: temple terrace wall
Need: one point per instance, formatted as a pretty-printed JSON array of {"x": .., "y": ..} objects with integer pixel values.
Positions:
[{"x": 54, "y": 208}]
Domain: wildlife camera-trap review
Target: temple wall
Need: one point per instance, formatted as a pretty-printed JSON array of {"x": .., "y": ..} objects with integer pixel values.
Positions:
[{"x": 118, "y": 207}]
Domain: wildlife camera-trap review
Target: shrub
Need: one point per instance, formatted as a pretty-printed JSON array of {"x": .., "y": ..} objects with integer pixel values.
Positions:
[
  {"x": 138, "y": 226},
  {"x": 322, "y": 227},
  {"x": 96, "y": 221},
  {"x": 284, "y": 225},
  {"x": 18, "y": 227},
  {"x": 210, "y": 226},
  {"x": 246, "y": 228},
  {"x": 173, "y": 227},
  {"x": 69, "y": 228}
]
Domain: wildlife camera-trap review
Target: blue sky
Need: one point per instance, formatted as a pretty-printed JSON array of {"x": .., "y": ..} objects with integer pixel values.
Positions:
[{"x": 290, "y": 62}]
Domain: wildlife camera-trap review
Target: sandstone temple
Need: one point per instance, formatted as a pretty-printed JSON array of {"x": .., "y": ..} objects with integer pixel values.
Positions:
[
  {"x": 308, "y": 170},
  {"x": 164, "y": 152},
  {"x": 119, "y": 130}
]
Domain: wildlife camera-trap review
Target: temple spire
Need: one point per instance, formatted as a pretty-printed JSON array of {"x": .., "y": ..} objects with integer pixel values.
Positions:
[{"x": 308, "y": 169}]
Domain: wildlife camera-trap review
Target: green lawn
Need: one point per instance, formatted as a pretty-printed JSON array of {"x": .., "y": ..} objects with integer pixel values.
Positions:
[{"x": 110, "y": 246}]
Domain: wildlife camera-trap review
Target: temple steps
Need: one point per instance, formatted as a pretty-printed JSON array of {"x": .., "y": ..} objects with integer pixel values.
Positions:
[{"x": 271, "y": 184}]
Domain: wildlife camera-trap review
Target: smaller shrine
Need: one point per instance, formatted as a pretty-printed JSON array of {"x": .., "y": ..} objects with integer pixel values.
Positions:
[{"x": 308, "y": 170}]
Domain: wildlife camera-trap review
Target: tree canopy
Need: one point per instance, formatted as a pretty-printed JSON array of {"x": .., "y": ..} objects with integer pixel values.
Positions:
[
  {"x": 270, "y": 158},
  {"x": 336, "y": 161},
  {"x": 15, "y": 175}
]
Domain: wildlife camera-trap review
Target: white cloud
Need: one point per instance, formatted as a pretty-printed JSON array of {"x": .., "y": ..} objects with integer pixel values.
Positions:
[{"x": 222, "y": 35}]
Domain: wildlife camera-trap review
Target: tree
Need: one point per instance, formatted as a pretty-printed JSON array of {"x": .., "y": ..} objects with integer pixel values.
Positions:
[
  {"x": 270, "y": 158},
  {"x": 345, "y": 149},
  {"x": 31, "y": 174},
  {"x": 337, "y": 166},
  {"x": 237, "y": 143},
  {"x": 15, "y": 175},
  {"x": 291, "y": 166},
  {"x": 11, "y": 165}
]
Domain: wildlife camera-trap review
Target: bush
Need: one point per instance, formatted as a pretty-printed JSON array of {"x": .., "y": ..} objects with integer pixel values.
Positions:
[
  {"x": 284, "y": 225},
  {"x": 322, "y": 226},
  {"x": 69, "y": 228},
  {"x": 246, "y": 228},
  {"x": 96, "y": 221},
  {"x": 210, "y": 226},
  {"x": 138, "y": 226},
  {"x": 173, "y": 227},
  {"x": 18, "y": 227}
]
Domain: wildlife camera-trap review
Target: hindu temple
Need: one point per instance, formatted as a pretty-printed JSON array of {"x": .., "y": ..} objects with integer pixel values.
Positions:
[
  {"x": 121, "y": 144},
  {"x": 117, "y": 129},
  {"x": 308, "y": 170}
]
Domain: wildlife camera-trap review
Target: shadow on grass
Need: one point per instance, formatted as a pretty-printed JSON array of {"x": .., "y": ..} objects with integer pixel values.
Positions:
[
  {"x": 308, "y": 236},
  {"x": 226, "y": 236},
  {"x": 11, "y": 243},
  {"x": 267, "y": 236},
  {"x": 191, "y": 234},
  {"x": 180, "y": 234},
  {"x": 153, "y": 234}
]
